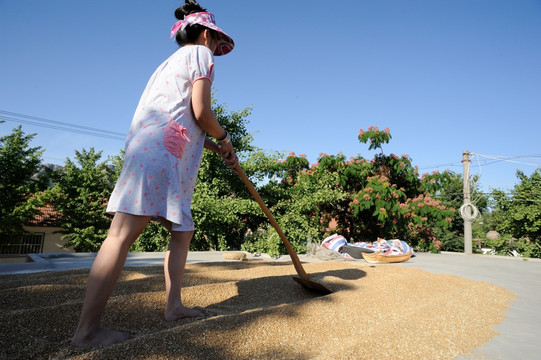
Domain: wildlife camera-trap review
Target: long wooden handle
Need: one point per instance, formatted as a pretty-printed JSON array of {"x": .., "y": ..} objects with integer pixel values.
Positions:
[{"x": 274, "y": 223}]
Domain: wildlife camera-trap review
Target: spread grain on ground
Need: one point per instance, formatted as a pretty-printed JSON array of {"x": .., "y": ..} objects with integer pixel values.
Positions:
[{"x": 256, "y": 311}]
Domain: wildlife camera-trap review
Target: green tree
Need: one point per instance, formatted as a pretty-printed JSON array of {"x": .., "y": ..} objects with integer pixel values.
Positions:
[
  {"x": 19, "y": 164},
  {"x": 518, "y": 214},
  {"x": 79, "y": 196}
]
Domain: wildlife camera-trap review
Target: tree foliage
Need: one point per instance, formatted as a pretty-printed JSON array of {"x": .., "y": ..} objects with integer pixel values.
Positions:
[
  {"x": 518, "y": 214},
  {"x": 19, "y": 164},
  {"x": 80, "y": 197}
]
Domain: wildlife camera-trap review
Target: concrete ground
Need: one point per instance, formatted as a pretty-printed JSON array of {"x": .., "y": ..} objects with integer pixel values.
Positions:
[{"x": 518, "y": 334}]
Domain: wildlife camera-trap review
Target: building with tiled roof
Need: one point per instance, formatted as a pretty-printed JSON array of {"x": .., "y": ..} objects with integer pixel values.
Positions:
[{"x": 42, "y": 237}]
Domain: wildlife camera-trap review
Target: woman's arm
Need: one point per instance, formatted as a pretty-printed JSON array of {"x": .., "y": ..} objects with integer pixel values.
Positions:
[
  {"x": 201, "y": 105},
  {"x": 202, "y": 110}
]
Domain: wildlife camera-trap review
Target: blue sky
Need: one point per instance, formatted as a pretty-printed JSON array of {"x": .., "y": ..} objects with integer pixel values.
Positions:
[{"x": 444, "y": 76}]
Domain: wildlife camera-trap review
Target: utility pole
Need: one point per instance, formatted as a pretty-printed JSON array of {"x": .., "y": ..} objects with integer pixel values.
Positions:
[{"x": 467, "y": 216}]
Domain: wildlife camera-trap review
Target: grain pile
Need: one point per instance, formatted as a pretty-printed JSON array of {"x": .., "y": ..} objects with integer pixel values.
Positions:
[
  {"x": 255, "y": 311},
  {"x": 234, "y": 255}
]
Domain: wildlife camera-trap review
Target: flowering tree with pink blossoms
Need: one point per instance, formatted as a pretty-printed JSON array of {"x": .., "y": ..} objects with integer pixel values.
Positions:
[
  {"x": 375, "y": 137},
  {"x": 365, "y": 199}
]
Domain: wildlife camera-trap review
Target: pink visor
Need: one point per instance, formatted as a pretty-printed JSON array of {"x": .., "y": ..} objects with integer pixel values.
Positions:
[{"x": 206, "y": 19}]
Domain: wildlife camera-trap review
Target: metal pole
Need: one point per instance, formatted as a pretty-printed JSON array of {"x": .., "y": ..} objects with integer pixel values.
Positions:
[{"x": 468, "y": 220}]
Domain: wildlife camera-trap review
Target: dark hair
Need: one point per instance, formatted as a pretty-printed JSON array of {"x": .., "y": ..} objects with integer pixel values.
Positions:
[{"x": 191, "y": 32}]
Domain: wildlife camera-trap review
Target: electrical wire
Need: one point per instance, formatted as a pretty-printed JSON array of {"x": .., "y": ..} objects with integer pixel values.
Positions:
[
  {"x": 487, "y": 161},
  {"x": 440, "y": 166},
  {"x": 59, "y": 125},
  {"x": 100, "y": 135},
  {"x": 507, "y": 159}
]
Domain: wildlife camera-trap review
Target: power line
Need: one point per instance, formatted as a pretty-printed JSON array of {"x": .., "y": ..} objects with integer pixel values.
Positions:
[
  {"x": 508, "y": 159},
  {"x": 509, "y": 193},
  {"x": 101, "y": 135},
  {"x": 490, "y": 159},
  {"x": 59, "y": 125},
  {"x": 440, "y": 166}
]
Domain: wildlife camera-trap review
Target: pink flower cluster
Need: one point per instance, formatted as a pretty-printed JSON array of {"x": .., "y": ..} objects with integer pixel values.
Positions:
[{"x": 378, "y": 178}]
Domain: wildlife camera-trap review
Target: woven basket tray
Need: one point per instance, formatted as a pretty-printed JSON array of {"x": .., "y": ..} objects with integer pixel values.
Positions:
[{"x": 379, "y": 258}]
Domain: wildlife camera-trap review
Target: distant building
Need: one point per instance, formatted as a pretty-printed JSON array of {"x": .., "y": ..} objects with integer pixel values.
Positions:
[{"x": 42, "y": 238}]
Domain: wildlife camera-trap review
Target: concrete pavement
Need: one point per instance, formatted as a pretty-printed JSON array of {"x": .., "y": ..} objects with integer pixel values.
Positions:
[{"x": 69, "y": 261}]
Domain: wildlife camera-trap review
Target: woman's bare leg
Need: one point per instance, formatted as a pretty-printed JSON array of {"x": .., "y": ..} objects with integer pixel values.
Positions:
[
  {"x": 175, "y": 263},
  {"x": 102, "y": 279}
]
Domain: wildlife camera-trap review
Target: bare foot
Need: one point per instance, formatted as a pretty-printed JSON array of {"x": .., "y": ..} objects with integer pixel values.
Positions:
[
  {"x": 99, "y": 337},
  {"x": 182, "y": 313}
]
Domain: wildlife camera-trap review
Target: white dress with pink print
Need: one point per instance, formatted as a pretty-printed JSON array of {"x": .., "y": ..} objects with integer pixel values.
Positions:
[{"x": 165, "y": 143}]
